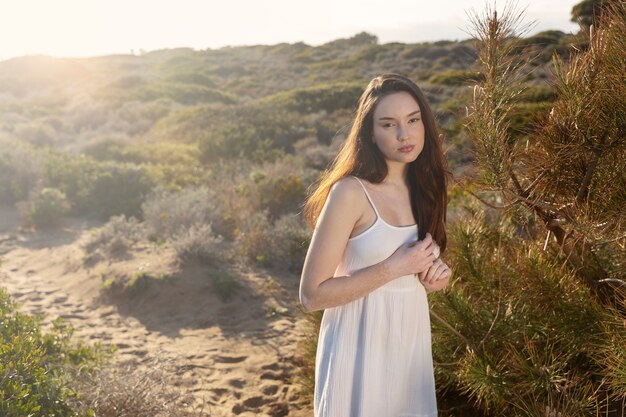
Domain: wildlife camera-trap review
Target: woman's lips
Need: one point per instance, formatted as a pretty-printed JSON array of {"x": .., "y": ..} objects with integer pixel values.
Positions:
[{"x": 406, "y": 148}]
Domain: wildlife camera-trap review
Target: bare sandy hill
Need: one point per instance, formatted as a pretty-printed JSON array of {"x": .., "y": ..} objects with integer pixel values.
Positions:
[{"x": 236, "y": 357}]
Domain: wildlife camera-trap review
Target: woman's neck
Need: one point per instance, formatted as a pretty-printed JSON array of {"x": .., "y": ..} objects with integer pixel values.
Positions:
[{"x": 396, "y": 174}]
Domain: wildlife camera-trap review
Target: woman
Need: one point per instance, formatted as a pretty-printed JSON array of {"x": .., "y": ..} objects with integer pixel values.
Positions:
[{"x": 379, "y": 216}]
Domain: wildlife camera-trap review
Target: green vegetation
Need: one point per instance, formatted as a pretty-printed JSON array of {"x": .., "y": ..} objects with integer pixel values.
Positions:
[
  {"x": 327, "y": 98},
  {"x": 455, "y": 77},
  {"x": 39, "y": 370},
  {"x": 45, "y": 208},
  {"x": 224, "y": 284},
  {"x": 141, "y": 280},
  {"x": 212, "y": 152},
  {"x": 534, "y": 323}
]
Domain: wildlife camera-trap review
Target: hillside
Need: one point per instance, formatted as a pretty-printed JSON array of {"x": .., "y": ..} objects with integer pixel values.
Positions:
[{"x": 207, "y": 156}]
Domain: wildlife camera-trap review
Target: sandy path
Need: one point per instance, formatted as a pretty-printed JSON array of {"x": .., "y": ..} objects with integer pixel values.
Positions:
[{"x": 236, "y": 357}]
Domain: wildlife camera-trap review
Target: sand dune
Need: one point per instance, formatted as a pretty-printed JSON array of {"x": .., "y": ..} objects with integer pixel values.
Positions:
[{"x": 236, "y": 357}]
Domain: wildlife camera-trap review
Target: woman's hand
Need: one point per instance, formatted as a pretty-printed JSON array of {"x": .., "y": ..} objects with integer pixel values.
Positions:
[
  {"x": 412, "y": 258},
  {"x": 436, "y": 277}
]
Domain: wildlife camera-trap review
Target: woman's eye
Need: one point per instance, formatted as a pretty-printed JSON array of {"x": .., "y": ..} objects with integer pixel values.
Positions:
[
  {"x": 388, "y": 125},
  {"x": 415, "y": 120}
]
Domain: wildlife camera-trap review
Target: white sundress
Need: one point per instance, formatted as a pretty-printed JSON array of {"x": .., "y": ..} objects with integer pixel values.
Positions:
[{"x": 374, "y": 355}]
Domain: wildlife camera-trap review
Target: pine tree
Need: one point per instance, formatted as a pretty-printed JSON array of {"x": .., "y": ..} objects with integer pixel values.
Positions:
[{"x": 534, "y": 323}]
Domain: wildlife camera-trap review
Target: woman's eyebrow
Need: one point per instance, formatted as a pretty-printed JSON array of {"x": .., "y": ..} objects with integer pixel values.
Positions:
[{"x": 391, "y": 118}]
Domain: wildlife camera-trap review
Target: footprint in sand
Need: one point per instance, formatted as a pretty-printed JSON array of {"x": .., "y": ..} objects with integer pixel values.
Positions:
[
  {"x": 279, "y": 410},
  {"x": 229, "y": 359},
  {"x": 72, "y": 316},
  {"x": 248, "y": 404},
  {"x": 274, "y": 376},
  {"x": 237, "y": 383},
  {"x": 218, "y": 393},
  {"x": 270, "y": 389},
  {"x": 255, "y": 402}
]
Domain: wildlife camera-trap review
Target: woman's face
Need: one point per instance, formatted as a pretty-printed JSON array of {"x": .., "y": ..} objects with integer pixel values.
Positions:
[{"x": 398, "y": 128}]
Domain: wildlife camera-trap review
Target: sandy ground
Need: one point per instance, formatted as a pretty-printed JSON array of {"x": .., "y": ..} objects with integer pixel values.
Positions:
[{"x": 235, "y": 357}]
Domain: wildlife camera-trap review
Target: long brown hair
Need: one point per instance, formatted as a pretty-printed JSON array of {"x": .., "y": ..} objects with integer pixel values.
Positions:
[{"x": 359, "y": 156}]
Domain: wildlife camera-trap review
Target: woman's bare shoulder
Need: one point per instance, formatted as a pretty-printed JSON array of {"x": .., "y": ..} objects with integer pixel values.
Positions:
[
  {"x": 347, "y": 201},
  {"x": 346, "y": 196},
  {"x": 347, "y": 186}
]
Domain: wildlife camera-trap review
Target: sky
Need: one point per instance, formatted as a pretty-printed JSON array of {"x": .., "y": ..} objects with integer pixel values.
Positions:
[{"x": 81, "y": 28}]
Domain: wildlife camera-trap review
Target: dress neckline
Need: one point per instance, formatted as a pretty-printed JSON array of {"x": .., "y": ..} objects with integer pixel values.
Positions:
[
  {"x": 378, "y": 216},
  {"x": 381, "y": 220}
]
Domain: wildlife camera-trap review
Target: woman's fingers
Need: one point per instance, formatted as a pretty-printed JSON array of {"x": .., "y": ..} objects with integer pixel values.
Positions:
[
  {"x": 435, "y": 271},
  {"x": 425, "y": 243},
  {"x": 439, "y": 271},
  {"x": 445, "y": 272}
]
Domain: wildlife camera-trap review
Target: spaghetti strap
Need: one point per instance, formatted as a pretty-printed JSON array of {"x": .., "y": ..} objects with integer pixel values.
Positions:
[{"x": 368, "y": 197}]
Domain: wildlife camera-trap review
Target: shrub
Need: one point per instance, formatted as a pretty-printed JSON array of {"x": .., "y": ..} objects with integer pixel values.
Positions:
[
  {"x": 325, "y": 97},
  {"x": 117, "y": 188},
  {"x": 224, "y": 284},
  {"x": 306, "y": 355},
  {"x": 120, "y": 390},
  {"x": 526, "y": 332},
  {"x": 253, "y": 242},
  {"x": 317, "y": 156},
  {"x": 182, "y": 93},
  {"x": 45, "y": 208},
  {"x": 192, "y": 78},
  {"x": 21, "y": 169},
  {"x": 197, "y": 243},
  {"x": 255, "y": 132},
  {"x": 37, "y": 134},
  {"x": 281, "y": 194},
  {"x": 106, "y": 148},
  {"x": 455, "y": 77},
  {"x": 169, "y": 213},
  {"x": 120, "y": 285},
  {"x": 38, "y": 371},
  {"x": 116, "y": 236},
  {"x": 141, "y": 280},
  {"x": 280, "y": 244},
  {"x": 101, "y": 188},
  {"x": 289, "y": 242}
]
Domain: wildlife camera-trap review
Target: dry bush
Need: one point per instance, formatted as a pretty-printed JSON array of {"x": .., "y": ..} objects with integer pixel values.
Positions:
[
  {"x": 167, "y": 213},
  {"x": 282, "y": 243},
  {"x": 130, "y": 391},
  {"x": 289, "y": 241},
  {"x": 253, "y": 241},
  {"x": 115, "y": 237},
  {"x": 184, "y": 220},
  {"x": 198, "y": 243}
]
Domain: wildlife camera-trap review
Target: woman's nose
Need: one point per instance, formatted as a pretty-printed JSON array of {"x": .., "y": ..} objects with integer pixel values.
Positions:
[{"x": 402, "y": 133}]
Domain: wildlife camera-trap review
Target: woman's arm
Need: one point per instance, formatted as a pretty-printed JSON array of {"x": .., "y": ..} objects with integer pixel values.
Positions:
[{"x": 344, "y": 207}]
